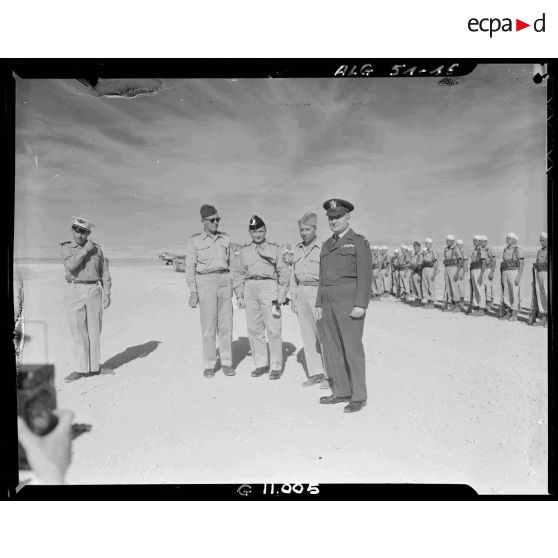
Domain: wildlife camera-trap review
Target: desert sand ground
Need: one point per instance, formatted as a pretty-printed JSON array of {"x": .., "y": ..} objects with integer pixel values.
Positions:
[{"x": 452, "y": 399}]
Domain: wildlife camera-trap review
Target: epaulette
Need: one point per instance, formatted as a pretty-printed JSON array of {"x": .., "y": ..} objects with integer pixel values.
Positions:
[
  {"x": 224, "y": 233},
  {"x": 273, "y": 243},
  {"x": 64, "y": 243},
  {"x": 195, "y": 234}
]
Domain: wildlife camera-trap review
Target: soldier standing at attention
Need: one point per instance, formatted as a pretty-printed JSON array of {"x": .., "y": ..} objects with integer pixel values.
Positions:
[
  {"x": 395, "y": 285},
  {"x": 416, "y": 273},
  {"x": 304, "y": 289},
  {"x": 343, "y": 296},
  {"x": 452, "y": 263},
  {"x": 261, "y": 282},
  {"x": 376, "y": 272},
  {"x": 541, "y": 284},
  {"x": 385, "y": 270},
  {"x": 478, "y": 274},
  {"x": 490, "y": 266},
  {"x": 209, "y": 279},
  {"x": 429, "y": 272},
  {"x": 462, "y": 272},
  {"x": 405, "y": 272},
  {"x": 511, "y": 268},
  {"x": 87, "y": 293}
]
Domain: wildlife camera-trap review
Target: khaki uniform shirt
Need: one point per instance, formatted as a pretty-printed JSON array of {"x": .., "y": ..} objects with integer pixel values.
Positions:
[
  {"x": 508, "y": 254},
  {"x": 430, "y": 256},
  {"x": 416, "y": 261},
  {"x": 206, "y": 254},
  {"x": 261, "y": 260},
  {"x": 306, "y": 262},
  {"x": 453, "y": 253},
  {"x": 542, "y": 256},
  {"x": 83, "y": 266}
]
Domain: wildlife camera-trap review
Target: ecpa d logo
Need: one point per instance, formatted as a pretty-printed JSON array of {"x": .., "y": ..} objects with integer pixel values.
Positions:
[{"x": 493, "y": 25}]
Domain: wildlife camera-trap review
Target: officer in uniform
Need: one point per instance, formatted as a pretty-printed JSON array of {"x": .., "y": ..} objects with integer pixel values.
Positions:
[
  {"x": 416, "y": 273},
  {"x": 478, "y": 273},
  {"x": 261, "y": 282},
  {"x": 376, "y": 273},
  {"x": 429, "y": 272},
  {"x": 395, "y": 282},
  {"x": 87, "y": 293},
  {"x": 343, "y": 296},
  {"x": 385, "y": 270},
  {"x": 305, "y": 277},
  {"x": 462, "y": 272},
  {"x": 452, "y": 262},
  {"x": 209, "y": 279},
  {"x": 541, "y": 284},
  {"x": 490, "y": 266},
  {"x": 511, "y": 268}
]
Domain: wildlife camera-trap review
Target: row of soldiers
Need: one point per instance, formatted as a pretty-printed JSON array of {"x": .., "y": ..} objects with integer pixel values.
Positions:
[{"x": 410, "y": 275}]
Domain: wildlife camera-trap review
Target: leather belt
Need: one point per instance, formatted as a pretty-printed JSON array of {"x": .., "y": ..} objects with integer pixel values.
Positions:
[
  {"x": 84, "y": 282},
  {"x": 510, "y": 265},
  {"x": 213, "y": 272},
  {"x": 428, "y": 264},
  {"x": 450, "y": 262},
  {"x": 259, "y": 278},
  {"x": 541, "y": 267},
  {"x": 309, "y": 283}
]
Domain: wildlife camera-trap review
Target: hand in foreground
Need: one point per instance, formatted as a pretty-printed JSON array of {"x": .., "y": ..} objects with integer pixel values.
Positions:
[
  {"x": 89, "y": 246},
  {"x": 240, "y": 302},
  {"x": 490, "y": 276},
  {"x": 318, "y": 313},
  {"x": 479, "y": 281},
  {"x": 293, "y": 305},
  {"x": 193, "y": 300},
  {"x": 456, "y": 277},
  {"x": 357, "y": 313},
  {"x": 433, "y": 276},
  {"x": 49, "y": 456},
  {"x": 106, "y": 301},
  {"x": 517, "y": 281}
]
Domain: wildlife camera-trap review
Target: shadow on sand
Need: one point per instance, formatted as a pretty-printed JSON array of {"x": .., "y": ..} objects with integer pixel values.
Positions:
[
  {"x": 131, "y": 353},
  {"x": 241, "y": 349}
]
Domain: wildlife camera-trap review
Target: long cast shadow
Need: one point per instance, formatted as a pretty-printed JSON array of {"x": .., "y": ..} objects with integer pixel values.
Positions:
[
  {"x": 288, "y": 350},
  {"x": 240, "y": 350},
  {"x": 131, "y": 353}
]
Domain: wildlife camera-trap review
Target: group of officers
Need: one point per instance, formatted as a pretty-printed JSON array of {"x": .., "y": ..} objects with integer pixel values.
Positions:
[
  {"x": 410, "y": 274},
  {"x": 330, "y": 285}
]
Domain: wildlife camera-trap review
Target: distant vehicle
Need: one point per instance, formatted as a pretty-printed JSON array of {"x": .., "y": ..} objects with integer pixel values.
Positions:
[
  {"x": 179, "y": 263},
  {"x": 167, "y": 257}
]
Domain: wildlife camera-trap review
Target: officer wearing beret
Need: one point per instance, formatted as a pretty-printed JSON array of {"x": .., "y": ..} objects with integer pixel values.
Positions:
[
  {"x": 208, "y": 263},
  {"x": 343, "y": 296},
  {"x": 261, "y": 282},
  {"x": 305, "y": 274},
  {"x": 87, "y": 293}
]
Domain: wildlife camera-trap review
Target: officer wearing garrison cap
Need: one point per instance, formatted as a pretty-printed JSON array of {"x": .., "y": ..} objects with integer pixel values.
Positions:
[
  {"x": 342, "y": 299},
  {"x": 261, "y": 282},
  {"x": 87, "y": 294},
  {"x": 452, "y": 261},
  {"x": 208, "y": 276},
  {"x": 511, "y": 268},
  {"x": 305, "y": 275}
]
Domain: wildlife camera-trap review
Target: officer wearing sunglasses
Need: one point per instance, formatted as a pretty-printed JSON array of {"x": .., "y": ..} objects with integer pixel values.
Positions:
[{"x": 208, "y": 264}]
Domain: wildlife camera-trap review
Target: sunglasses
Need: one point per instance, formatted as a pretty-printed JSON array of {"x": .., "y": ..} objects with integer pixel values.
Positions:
[
  {"x": 213, "y": 219},
  {"x": 80, "y": 231}
]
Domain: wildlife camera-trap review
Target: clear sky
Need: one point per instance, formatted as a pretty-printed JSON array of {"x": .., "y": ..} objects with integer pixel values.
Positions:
[{"x": 417, "y": 159}]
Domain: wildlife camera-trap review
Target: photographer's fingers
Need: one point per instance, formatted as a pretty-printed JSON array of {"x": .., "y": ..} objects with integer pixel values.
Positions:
[
  {"x": 25, "y": 435},
  {"x": 65, "y": 419}
]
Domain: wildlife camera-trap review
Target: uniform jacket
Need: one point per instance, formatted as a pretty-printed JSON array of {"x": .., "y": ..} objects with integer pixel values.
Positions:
[
  {"x": 83, "y": 266},
  {"x": 347, "y": 261},
  {"x": 206, "y": 253},
  {"x": 261, "y": 260}
]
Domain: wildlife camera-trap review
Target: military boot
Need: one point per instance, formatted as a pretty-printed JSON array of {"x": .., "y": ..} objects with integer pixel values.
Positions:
[
  {"x": 542, "y": 321},
  {"x": 513, "y": 316}
]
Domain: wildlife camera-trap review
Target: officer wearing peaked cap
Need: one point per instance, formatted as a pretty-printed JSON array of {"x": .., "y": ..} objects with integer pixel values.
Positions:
[
  {"x": 342, "y": 299},
  {"x": 261, "y": 282},
  {"x": 208, "y": 263},
  {"x": 87, "y": 293}
]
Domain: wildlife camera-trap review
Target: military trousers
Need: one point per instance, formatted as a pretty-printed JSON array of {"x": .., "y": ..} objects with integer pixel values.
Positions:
[
  {"x": 511, "y": 292},
  {"x": 488, "y": 289},
  {"x": 479, "y": 291},
  {"x": 84, "y": 309},
  {"x": 309, "y": 331},
  {"x": 405, "y": 281},
  {"x": 377, "y": 288},
  {"x": 258, "y": 297},
  {"x": 395, "y": 282},
  {"x": 342, "y": 342},
  {"x": 216, "y": 317},
  {"x": 451, "y": 289},
  {"x": 386, "y": 280},
  {"x": 541, "y": 287},
  {"x": 428, "y": 284},
  {"x": 461, "y": 286},
  {"x": 416, "y": 287}
]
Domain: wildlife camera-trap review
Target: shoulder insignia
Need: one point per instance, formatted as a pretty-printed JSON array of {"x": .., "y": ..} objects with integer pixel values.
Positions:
[
  {"x": 224, "y": 233},
  {"x": 64, "y": 243},
  {"x": 273, "y": 243},
  {"x": 195, "y": 234}
]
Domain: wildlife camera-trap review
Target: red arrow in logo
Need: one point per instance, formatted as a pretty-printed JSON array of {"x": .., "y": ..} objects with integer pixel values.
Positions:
[{"x": 519, "y": 25}]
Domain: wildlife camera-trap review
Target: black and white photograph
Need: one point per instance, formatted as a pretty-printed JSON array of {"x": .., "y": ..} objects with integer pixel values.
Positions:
[{"x": 293, "y": 281}]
